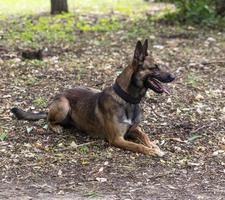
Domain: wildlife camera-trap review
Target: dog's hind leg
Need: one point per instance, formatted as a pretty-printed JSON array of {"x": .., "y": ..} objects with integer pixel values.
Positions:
[{"x": 58, "y": 112}]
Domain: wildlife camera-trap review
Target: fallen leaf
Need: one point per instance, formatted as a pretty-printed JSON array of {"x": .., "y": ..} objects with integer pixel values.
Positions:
[
  {"x": 222, "y": 146},
  {"x": 29, "y": 129},
  {"x": 73, "y": 144},
  {"x": 217, "y": 152},
  {"x": 101, "y": 169},
  {"x": 60, "y": 172},
  {"x": 158, "y": 46},
  {"x": 45, "y": 126},
  {"x": 101, "y": 180},
  {"x": 199, "y": 97}
]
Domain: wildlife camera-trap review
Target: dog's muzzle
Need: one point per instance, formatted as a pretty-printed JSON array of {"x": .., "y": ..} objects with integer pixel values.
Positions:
[{"x": 155, "y": 83}]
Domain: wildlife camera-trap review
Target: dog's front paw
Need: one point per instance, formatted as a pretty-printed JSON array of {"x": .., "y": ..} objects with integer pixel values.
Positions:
[
  {"x": 160, "y": 153},
  {"x": 157, "y": 151},
  {"x": 55, "y": 128}
]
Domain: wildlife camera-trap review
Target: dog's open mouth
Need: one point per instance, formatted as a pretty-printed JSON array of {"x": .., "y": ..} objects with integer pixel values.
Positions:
[{"x": 156, "y": 86}]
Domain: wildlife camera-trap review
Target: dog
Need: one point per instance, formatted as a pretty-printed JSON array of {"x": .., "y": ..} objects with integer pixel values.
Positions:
[{"x": 114, "y": 113}]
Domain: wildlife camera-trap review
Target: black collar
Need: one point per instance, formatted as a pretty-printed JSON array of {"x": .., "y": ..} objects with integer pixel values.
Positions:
[{"x": 125, "y": 96}]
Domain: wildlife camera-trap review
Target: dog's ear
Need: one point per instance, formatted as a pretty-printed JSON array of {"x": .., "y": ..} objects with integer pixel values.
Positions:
[
  {"x": 145, "y": 48},
  {"x": 138, "y": 52}
]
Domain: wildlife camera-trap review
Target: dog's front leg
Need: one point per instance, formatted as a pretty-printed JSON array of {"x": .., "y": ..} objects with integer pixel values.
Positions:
[
  {"x": 138, "y": 134},
  {"x": 132, "y": 146},
  {"x": 114, "y": 132}
]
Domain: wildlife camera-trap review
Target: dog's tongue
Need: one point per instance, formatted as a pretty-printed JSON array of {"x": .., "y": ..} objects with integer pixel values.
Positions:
[
  {"x": 165, "y": 90},
  {"x": 160, "y": 86}
]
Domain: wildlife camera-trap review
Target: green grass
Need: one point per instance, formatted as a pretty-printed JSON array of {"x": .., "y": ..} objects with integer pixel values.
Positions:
[
  {"x": 31, "y": 29},
  {"x": 23, "y": 6},
  {"x": 131, "y": 8},
  {"x": 40, "y": 102},
  {"x": 102, "y": 25},
  {"x": 193, "y": 80},
  {"x": 3, "y": 135},
  {"x": 91, "y": 194},
  {"x": 84, "y": 150},
  {"x": 44, "y": 28},
  {"x": 192, "y": 12}
]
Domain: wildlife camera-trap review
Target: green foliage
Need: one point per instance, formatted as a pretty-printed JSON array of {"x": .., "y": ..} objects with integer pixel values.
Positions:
[
  {"x": 133, "y": 8},
  {"x": 91, "y": 194},
  {"x": 84, "y": 149},
  {"x": 102, "y": 25},
  {"x": 197, "y": 12},
  {"x": 31, "y": 80},
  {"x": 193, "y": 80},
  {"x": 135, "y": 28},
  {"x": 40, "y": 102},
  {"x": 3, "y": 136},
  {"x": 45, "y": 28},
  {"x": 193, "y": 138}
]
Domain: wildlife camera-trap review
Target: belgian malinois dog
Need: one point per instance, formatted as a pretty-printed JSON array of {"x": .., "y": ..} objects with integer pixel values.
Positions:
[{"x": 114, "y": 113}]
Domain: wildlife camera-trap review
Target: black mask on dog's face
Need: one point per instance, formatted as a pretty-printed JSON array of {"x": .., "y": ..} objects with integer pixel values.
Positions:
[{"x": 148, "y": 74}]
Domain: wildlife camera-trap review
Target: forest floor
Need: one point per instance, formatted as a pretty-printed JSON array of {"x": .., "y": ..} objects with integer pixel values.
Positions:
[{"x": 188, "y": 124}]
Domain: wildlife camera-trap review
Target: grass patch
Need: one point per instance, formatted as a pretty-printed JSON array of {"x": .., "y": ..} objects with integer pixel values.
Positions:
[
  {"x": 29, "y": 30},
  {"x": 201, "y": 12},
  {"x": 31, "y": 81},
  {"x": 36, "y": 63},
  {"x": 193, "y": 80},
  {"x": 102, "y": 25},
  {"x": 33, "y": 31},
  {"x": 3, "y": 135},
  {"x": 84, "y": 150},
  {"x": 10, "y": 7},
  {"x": 133, "y": 8},
  {"x": 91, "y": 194},
  {"x": 40, "y": 102},
  {"x": 136, "y": 29}
]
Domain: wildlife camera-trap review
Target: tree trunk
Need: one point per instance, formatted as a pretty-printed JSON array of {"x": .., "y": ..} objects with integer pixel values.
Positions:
[
  {"x": 220, "y": 7},
  {"x": 58, "y": 6}
]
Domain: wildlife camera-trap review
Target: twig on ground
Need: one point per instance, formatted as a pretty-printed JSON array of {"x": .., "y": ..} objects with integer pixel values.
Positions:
[
  {"x": 222, "y": 61},
  {"x": 155, "y": 112},
  {"x": 200, "y": 128},
  {"x": 76, "y": 146},
  {"x": 161, "y": 175},
  {"x": 177, "y": 140}
]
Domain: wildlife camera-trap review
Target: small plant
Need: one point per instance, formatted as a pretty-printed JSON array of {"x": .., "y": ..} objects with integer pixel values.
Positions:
[
  {"x": 3, "y": 135},
  {"x": 40, "y": 102},
  {"x": 32, "y": 31},
  {"x": 135, "y": 29},
  {"x": 31, "y": 81},
  {"x": 193, "y": 80},
  {"x": 91, "y": 194},
  {"x": 84, "y": 150},
  {"x": 201, "y": 12},
  {"x": 102, "y": 25}
]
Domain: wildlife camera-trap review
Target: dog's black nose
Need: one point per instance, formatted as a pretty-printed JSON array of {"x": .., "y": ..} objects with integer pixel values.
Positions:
[{"x": 170, "y": 77}]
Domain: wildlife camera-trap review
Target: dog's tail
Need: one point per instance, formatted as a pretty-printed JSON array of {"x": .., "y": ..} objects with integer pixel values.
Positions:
[{"x": 29, "y": 116}]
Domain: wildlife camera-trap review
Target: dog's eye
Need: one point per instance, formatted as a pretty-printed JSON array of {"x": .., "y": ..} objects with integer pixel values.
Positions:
[{"x": 155, "y": 67}]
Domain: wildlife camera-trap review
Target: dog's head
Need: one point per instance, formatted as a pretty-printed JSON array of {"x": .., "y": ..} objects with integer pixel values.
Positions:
[{"x": 146, "y": 72}]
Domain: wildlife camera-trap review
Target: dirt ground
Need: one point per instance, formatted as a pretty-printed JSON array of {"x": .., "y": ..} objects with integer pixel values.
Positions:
[{"x": 188, "y": 124}]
